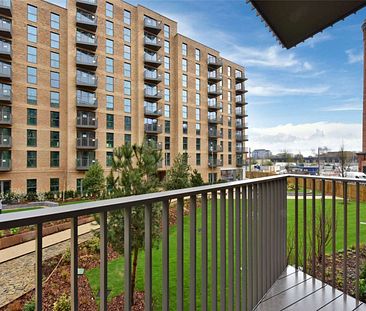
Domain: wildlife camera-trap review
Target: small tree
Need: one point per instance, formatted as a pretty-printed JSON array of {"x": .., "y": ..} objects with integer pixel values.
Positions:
[
  {"x": 178, "y": 176},
  {"x": 94, "y": 181},
  {"x": 344, "y": 161},
  {"x": 196, "y": 179}
]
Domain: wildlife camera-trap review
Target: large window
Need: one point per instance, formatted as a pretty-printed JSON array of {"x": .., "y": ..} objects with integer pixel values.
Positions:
[
  {"x": 198, "y": 159},
  {"x": 110, "y": 121},
  {"x": 31, "y": 158},
  {"x": 198, "y": 114},
  {"x": 55, "y": 159},
  {"x": 184, "y": 49},
  {"x": 55, "y": 79},
  {"x": 128, "y": 124},
  {"x": 31, "y": 138},
  {"x": 184, "y": 112},
  {"x": 167, "y": 95},
  {"x": 127, "y": 17},
  {"x": 127, "y": 88},
  {"x": 197, "y": 55},
  {"x": 31, "y": 54},
  {"x": 166, "y": 31},
  {"x": 54, "y": 184},
  {"x": 127, "y": 105},
  {"x": 109, "y": 9},
  {"x": 54, "y": 139},
  {"x": 110, "y": 102},
  {"x": 31, "y": 116},
  {"x": 55, "y": 40},
  {"x": 166, "y": 47},
  {"x": 166, "y": 62},
  {"x": 184, "y": 80},
  {"x": 31, "y": 186},
  {"x": 31, "y": 96},
  {"x": 109, "y": 140},
  {"x": 55, "y": 99},
  {"x": 55, "y": 60},
  {"x": 109, "y": 46},
  {"x": 184, "y": 65},
  {"x": 167, "y": 78},
  {"x": 184, "y": 96},
  {"x": 32, "y": 13},
  {"x": 198, "y": 84},
  {"x": 32, "y": 33},
  {"x": 55, "y": 21},
  {"x": 198, "y": 144},
  {"x": 32, "y": 75},
  {"x": 109, "y": 84},
  {"x": 167, "y": 111},
  {"x": 127, "y": 70},
  {"x": 109, "y": 159},
  {"x": 167, "y": 126},
  {"x": 55, "y": 119},
  {"x": 127, "y": 52},
  {"x": 109, "y": 65},
  {"x": 127, "y": 34},
  {"x": 185, "y": 143},
  {"x": 109, "y": 29},
  {"x": 198, "y": 70}
]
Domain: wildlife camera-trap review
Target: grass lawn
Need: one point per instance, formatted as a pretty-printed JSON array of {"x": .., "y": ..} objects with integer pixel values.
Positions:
[
  {"x": 116, "y": 267},
  {"x": 6, "y": 211}
]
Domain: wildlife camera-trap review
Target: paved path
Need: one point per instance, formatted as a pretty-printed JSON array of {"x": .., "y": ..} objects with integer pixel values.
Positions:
[{"x": 17, "y": 263}]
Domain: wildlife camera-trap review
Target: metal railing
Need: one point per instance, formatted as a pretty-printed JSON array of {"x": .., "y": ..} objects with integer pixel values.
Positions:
[
  {"x": 86, "y": 38},
  {"x": 5, "y": 47},
  {"x": 89, "y": 121},
  {"x": 84, "y": 17},
  {"x": 242, "y": 235},
  {"x": 86, "y": 59},
  {"x": 149, "y": 22},
  {"x": 156, "y": 58},
  {"x": 5, "y": 24},
  {"x": 87, "y": 142}
]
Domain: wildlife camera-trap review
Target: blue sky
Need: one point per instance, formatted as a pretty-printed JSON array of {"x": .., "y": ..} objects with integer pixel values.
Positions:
[{"x": 299, "y": 99}]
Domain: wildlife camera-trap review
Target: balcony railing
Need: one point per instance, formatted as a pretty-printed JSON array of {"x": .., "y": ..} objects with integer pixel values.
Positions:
[
  {"x": 153, "y": 25},
  {"x": 214, "y": 76},
  {"x": 240, "y": 89},
  {"x": 215, "y": 148},
  {"x": 241, "y": 149},
  {"x": 239, "y": 76},
  {"x": 5, "y": 116},
  {"x": 240, "y": 112},
  {"x": 6, "y": 7},
  {"x": 240, "y": 100},
  {"x": 5, "y": 165},
  {"x": 6, "y": 95},
  {"x": 214, "y": 90},
  {"x": 214, "y": 134},
  {"x": 5, "y": 27},
  {"x": 83, "y": 164},
  {"x": 214, "y": 105},
  {"x": 5, "y": 49},
  {"x": 87, "y": 61},
  {"x": 153, "y": 112},
  {"x": 86, "y": 143},
  {"x": 86, "y": 102},
  {"x": 152, "y": 77},
  {"x": 90, "y": 5},
  {"x": 214, "y": 63},
  {"x": 87, "y": 122},
  {"x": 87, "y": 80},
  {"x": 215, "y": 119},
  {"x": 5, "y": 141},
  {"x": 5, "y": 71},
  {"x": 215, "y": 163},
  {"x": 241, "y": 137},
  {"x": 152, "y": 42},
  {"x": 154, "y": 60},
  {"x": 86, "y": 40},
  {"x": 152, "y": 94},
  {"x": 153, "y": 128},
  {"x": 86, "y": 20}
]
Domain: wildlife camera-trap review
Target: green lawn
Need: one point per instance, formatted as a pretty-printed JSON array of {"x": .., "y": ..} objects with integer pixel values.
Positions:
[
  {"x": 116, "y": 267},
  {"x": 6, "y": 211}
]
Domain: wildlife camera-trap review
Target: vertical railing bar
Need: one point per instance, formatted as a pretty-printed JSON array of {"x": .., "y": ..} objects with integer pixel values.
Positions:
[
  {"x": 334, "y": 223},
  {"x": 272, "y": 230},
  {"x": 103, "y": 261},
  {"x": 127, "y": 258},
  {"x": 244, "y": 257},
  {"x": 250, "y": 249},
  {"x": 265, "y": 238},
  {"x": 180, "y": 254},
  {"x": 304, "y": 225},
  {"x": 345, "y": 259},
  {"x": 223, "y": 250},
  {"x": 74, "y": 264},
  {"x": 275, "y": 229},
  {"x": 357, "y": 242},
  {"x": 165, "y": 216},
  {"x": 231, "y": 251},
  {"x": 284, "y": 204},
  {"x": 192, "y": 253},
  {"x": 204, "y": 292},
  {"x": 148, "y": 257},
  {"x": 238, "y": 274},
  {"x": 255, "y": 247},
  {"x": 214, "y": 250},
  {"x": 39, "y": 248},
  {"x": 261, "y": 271},
  {"x": 313, "y": 220},
  {"x": 296, "y": 223},
  {"x": 323, "y": 230}
]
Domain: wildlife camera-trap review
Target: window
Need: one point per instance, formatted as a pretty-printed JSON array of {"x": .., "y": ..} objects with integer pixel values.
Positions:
[
  {"x": 55, "y": 119},
  {"x": 167, "y": 95},
  {"x": 184, "y": 112},
  {"x": 167, "y": 159},
  {"x": 166, "y": 31},
  {"x": 167, "y": 126},
  {"x": 32, "y": 33},
  {"x": 127, "y": 123},
  {"x": 198, "y": 99},
  {"x": 127, "y": 88},
  {"x": 31, "y": 116},
  {"x": 166, "y": 47},
  {"x": 31, "y": 138},
  {"x": 109, "y": 84},
  {"x": 167, "y": 78},
  {"x": 127, "y": 52},
  {"x": 229, "y": 71},
  {"x": 166, "y": 111},
  {"x": 31, "y": 96},
  {"x": 198, "y": 70},
  {"x": 184, "y": 49},
  {"x": 184, "y": 65},
  {"x": 55, "y": 40},
  {"x": 31, "y": 158},
  {"x": 55, "y": 99},
  {"x": 197, "y": 55},
  {"x": 198, "y": 143},
  {"x": 55, "y": 21},
  {"x": 32, "y": 75},
  {"x": 184, "y": 80},
  {"x": 110, "y": 121},
  {"x": 109, "y": 46},
  {"x": 229, "y": 96},
  {"x": 167, "y": 143},
  {"x": 55, "y": 159},
  {"x": 54, "y": 184},
  {"x": 184, "y": 96},
  {"x": 109, "y": 28},
  {"x": 79, "y": 185},
  {"x": 229, "y": 146},
  {"x": 55, "y": 60},
  {"x": 166, "y": 62},
  {"x": 55, "y": 79},
  {"x": 127, "y": 138},
  {"x": 127, "y": 17},
  {"x": 109, "y": 65},
  {"x": 230, "y": 159},
  {"x": 198, "y": 114},
  {"x": 109, "y": 9},
  {"x": 229, "y": 133},
  {"x": 198, "y": 159},
  {"x": 198, "y": 129},
  {"x": 109, "y": 159},
  {"x": 54, "y": 139},
  {"x": 110, "y": 140},
  {"x": 185, "y": 143},
  {"x": 127, "y": 70},
  {"x": 31, "y": 54},
  {"x": 229, "y": 121},
  {"x": 229, "y": 108},
  {"x": 110, "y": 102},
  {"x": 198, "y": 84},
  {"x": 127, "y": 105},
  {"x": 32, "y": 13},
  {"x": 127, "y": 34},
  {"x": 31, "y": 186}
]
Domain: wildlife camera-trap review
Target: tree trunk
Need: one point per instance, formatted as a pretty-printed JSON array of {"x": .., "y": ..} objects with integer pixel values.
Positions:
[{"x": 133, "y": 276}]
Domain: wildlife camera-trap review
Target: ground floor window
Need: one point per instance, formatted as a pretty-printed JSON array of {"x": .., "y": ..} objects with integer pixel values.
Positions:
[
  {"x": 5, "y": 186},
  {"x": 54, "y": 184},
  {"x": 212, "y": 177},
  {"x": 79, "y": 185},
  {"x": 31, "y": 186}
]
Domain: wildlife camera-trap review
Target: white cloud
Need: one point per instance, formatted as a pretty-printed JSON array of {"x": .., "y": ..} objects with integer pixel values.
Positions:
[
  {"x": 306, "y": 137},
  {"x": 320, "y": 37},
  {"x": 355, "y": 106},
  {"x": 354, "y": 57}
]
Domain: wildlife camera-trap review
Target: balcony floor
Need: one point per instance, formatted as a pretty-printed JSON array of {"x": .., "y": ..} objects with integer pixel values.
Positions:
[{"x": 295, "y": 290}]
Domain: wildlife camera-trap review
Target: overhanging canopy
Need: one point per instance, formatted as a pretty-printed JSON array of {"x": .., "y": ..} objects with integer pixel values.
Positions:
[{"x": 295, "y": 21}]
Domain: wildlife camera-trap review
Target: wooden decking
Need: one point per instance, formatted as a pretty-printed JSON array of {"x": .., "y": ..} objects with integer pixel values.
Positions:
[{"x": 295, "y": 290}]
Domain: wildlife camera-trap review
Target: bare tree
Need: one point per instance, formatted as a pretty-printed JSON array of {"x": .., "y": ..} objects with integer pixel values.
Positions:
[{"x": 344, "y": 161}]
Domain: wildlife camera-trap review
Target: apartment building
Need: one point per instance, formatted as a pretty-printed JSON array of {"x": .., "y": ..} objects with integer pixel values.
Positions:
[{"x": 76, "y": 82}]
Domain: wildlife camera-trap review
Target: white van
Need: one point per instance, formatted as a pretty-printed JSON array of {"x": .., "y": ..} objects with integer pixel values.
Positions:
[{"x": 357, "y": 175}]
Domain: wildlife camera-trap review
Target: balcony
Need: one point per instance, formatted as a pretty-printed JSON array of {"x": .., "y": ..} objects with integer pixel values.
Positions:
[
  {"x": 5, "y": 27},
  {"x": 214, "y": 77},
  {"x": 86, "y": 61},
  {"x": 86, "y": 121},
  {"x": 86, "y": 143},
  {"x": 153, "y": 128},
  {"x": 240, "y": 89},
  {"x": 240, "y": 100},
  {"x": 86, "y": 80},
  {"x": 152, "y": 112},
  {"x": 214, "y": 134},
  {"x": 214, "y": 105},
  {"x": 240, "y": 125},
  {"x": 154, "y": 60},
  {"x": 241, "y": 149},
  {"x": 240, "y": 112},
  {"x": 86, "y": 102},
  {"x": 215, "y": 163},
  {"x": 215, "y": 148},
  {"x": 152, "y": 43},
  {"x": 5, "y": 141},
  {"x": 5, "y": 50},
  {"x": 152, "y": 95},
  {"x": 5, "y": 165},
  {"x": 89, "y": 5},
  {"x": 5, "y": 72},
  {"x": 86, "y": 40},
  {"x": 240, "y": 162},
  {"x": 152, "y": 25},
  {"x": 6, "y": 94},
  {"x": 152, "y": 77},
  {"x": 5, "y": 116},
  {"x": 83, "y": 164},
  {"x": 214, "y": 91},
  {"x": 215, "y": 119},
  {"x": 240, "y": 77},
  {"x": 6, "y": 8},
  {"x": 86, "y": 20},
  {"x": 241, "y": 137},
  {"x": 214, "y": 63}
]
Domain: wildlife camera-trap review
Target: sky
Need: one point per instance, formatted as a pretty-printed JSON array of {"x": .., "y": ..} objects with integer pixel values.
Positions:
[{"x": 299, "y": 99}]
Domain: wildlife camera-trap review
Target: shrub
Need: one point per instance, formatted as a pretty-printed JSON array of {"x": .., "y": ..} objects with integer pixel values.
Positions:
[
  {"x": 29, "y": 306},
  {"x": 15, "y": 230},
  {"x": 62, "y": 303},
  {"x": 31, "y": 196},
  {"x": 362, "y": 288},
  {"x": 93, "y": 245}
]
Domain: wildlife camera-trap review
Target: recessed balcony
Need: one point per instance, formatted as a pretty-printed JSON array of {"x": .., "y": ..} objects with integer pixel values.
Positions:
[
  {"x": 214, "y": 105},
  {"x": 214, "y": 163},
  {"x": 240, "y": 89},
  {"x": 241, "y": 137},
  {"x": 5, "y": 165},
  {"x": 214, "y": 91},
  {"x": 86, "y": 102},
  {"x": 214, "y": 134},
  {"x": 83, "y": 164},
  {"x": 86, "y": 143},
  {"x": 86, "y": 40},
  {"x": 214, "y": 77},
  {"x": 5, "y": 72},
  {"x": 215, "y": 119},
  {"x": 5, "y": 116},
  {"x": 5, "y": 141},
  {"x": 86, "y": 61},
  {"x": 153, "y": 128},
  {"x": 240, "y": 100},
  {"x": 241, "y": 149},
  {"x": 86, "y": 121},
  {"x": 86, "y": 20},
  {"x": 152, "y": 43},
  {"x": 152, "y": 77},
  {"x": 239, "y": 112},
  {"x": 153, "y": 60},
  {"x": 215, "y": 148},
  {"x": 214, "y": 63},
  {"x": 153, "y": 95},
  {"x": 152, "y": 112},
  {"x": 6, "y": 8},
  {"x": 240, "y": 77},
  {"x": 5, "y": 50},
  {"x": 240, "y": 162},
  {"x": 5, "y": 28},
  {"x": 86, "y": 80},
  {"x": 6, "y": 94},
  {"x": 89, "y": 5},
  {"x": 152, "y": 25}
]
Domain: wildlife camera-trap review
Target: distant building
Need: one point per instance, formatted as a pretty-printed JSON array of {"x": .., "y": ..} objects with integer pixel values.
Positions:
[{"x": 261, "y": 154}]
